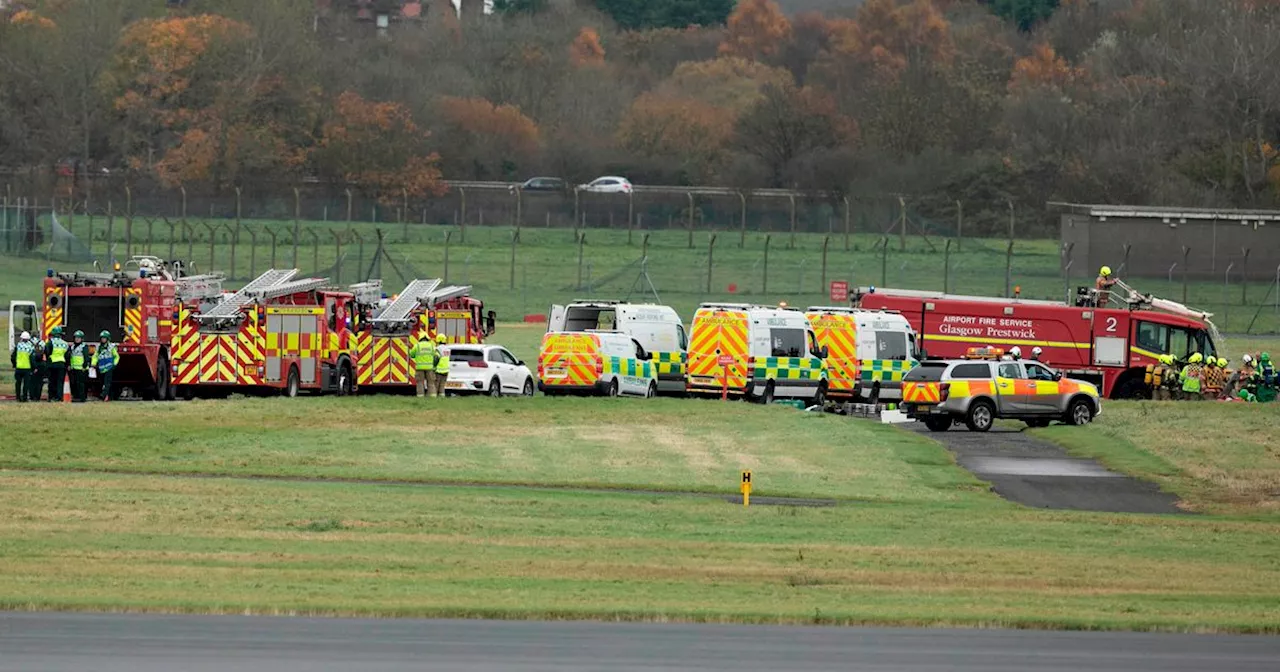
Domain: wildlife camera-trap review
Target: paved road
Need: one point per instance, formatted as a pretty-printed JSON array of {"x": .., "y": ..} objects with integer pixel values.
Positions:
[
  {"x": 139, "y": 643},
  {"x": 1037, "y": 473}
]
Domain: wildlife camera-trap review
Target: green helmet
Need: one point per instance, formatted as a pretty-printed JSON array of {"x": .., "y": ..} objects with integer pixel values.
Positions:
[
  {"x": 105, "y": 334},
  {"x": 56, "y": 331},
  {"x": 1266, "y": 357},
  {"x": 78, "y": 334}
]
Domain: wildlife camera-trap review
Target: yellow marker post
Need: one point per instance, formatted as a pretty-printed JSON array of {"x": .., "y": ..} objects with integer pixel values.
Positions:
[{"x": 746, "y": 488}]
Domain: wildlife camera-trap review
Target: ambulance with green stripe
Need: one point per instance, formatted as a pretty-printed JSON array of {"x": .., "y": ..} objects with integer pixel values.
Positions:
[
  {"x": 758, "y": 352},
  {"x": 869, "y": 351},
  {"x": 657, "y": 328},
  {"x": 601, "y": 363}
]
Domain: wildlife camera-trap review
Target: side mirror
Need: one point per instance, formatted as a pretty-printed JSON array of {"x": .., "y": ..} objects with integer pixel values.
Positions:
[
  {"x": 1057, "y": 375},
  {"x": 519, "y": 362},
  {"x": 824, "y": 352}
]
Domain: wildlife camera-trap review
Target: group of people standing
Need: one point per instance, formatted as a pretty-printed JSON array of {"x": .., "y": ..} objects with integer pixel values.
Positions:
[
  {"x": 431, "y": 365},
  {"x": 1209, "y": 378},
  {"x": 55, "y": 360}
]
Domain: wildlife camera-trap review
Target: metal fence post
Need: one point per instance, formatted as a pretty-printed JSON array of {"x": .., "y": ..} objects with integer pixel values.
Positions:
[
  {"x": 742, "y": 235},
  {"x": 792, "y": 243},
  {"x": 765, "y": 274},
  {"x": 1226, "y": 284},
  {"x": 337, "y": 257},
  {"x": 272, "y": 232},
  {"x": 902, "y": 224},
  {"x": 690, "y": 195},
  {"x": 582, "y": 242},
  {"x": 404, "y": 215},
  {"x": 111, "y": 232},
  {"x": 350, "y": 210},
  {"x": 1008, "y": 270},
  {"x": 711, "y": 251},
  {"x": 448, "y": 235},
  {"x": 297, "y": 223},
  {"x": 1186, "y": 252},
  {"x": 515, "y": 240},
  {"x": 253, "y": 251},
  {"x": 1244, "y": 277},
  {"x": 884, "y": 261},
  {"x": 128, "y": 222},
  {"x": 847, "y": 220},
  {"x": 631, "y": 214},
  {"x": 315, "y": 250},
  {"x": 462, "y": 221},
  {"x": 959, "y": 224},
  {"x": 823, "y": 283},
  {"x": 946, "y": 268}
]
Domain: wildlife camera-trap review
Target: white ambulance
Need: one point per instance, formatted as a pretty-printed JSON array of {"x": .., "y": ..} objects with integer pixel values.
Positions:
[{"x": 655, "y": 327}]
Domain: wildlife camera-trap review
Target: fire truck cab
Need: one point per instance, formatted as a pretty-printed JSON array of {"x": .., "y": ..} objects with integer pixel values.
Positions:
[
  {"x": 1109, "y": 347},
  {"x": 136, "y": 304}
]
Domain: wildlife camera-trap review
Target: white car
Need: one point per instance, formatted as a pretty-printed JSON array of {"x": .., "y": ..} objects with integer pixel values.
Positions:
[
  {"x": 486, "y": 369},
  {"x": 607, "y": 185}
]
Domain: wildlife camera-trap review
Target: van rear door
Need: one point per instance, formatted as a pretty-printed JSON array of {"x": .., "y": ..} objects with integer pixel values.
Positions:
[
  {"x": 22, "y": 317},
  {"x": 838, "y": 333},
  {"x": 716, "y": 333},
  {"x": 555, "y": 318}
]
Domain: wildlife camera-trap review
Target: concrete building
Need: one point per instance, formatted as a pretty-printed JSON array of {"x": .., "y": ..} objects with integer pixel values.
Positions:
[{"x": 1162, "y": 242}]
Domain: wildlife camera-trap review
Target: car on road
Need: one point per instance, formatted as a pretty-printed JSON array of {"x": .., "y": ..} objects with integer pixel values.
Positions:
[
  {"x": 487, "y": 369},
  {"x": 547, "y": 184},
  {"x": 977, "y": 392},
  {"x": 608, "y": 184}
]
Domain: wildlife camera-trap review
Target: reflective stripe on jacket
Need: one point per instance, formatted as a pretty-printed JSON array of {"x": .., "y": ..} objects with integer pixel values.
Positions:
[
  {"x": 78, "y": 360},
  {"x": 424, "y": 354},
  {"x": 442, "y": 362},
  {"x": 58, "y": 351},
  {"x": 105, "y": 357}
]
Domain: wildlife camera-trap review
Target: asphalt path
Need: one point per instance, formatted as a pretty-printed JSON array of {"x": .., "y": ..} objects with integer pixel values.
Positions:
[
  {"x": 1027, "y": 470},
  {"x": 54, "y": 642}
]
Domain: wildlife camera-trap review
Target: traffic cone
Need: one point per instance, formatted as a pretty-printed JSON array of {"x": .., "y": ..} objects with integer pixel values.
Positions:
[{"x": 66, "y": 391}]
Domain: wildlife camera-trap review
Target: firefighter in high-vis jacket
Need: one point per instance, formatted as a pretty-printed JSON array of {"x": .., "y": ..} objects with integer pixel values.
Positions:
[
  {"x": 1192, "y": 377},
  {"x": 442, "y": 365},
  {"x": 1158, "y": 377},
  {"x": 78, "y": 368},
  {"x": 1213, "y": 379},
  {"x": 423, "y": 354}
]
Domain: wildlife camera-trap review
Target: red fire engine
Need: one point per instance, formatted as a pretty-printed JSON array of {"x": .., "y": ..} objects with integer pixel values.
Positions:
[
  {"x": 137, "y": 306},
  {"x": 1107, "y": 346},
  {"x": 387, "y": 329},
  {"x": 275, "y": 334}
]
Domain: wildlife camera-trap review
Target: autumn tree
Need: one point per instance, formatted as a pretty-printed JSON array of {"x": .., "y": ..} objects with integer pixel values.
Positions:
[
  {"x": 486, "y": 141},
  {"x": 379, "y": 147},
  {"x": 788, "y": 123},
  {"x": 730, "y": 83},
  {"x": 757, "y": 30},
  {"x": 686, "y": 133},
  {"x": 585, "y": 51}
]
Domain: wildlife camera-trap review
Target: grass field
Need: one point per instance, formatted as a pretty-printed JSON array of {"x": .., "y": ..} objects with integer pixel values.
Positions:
[
  {"x": 914, "y": 539},
  {"x": 546, "y": 266}
]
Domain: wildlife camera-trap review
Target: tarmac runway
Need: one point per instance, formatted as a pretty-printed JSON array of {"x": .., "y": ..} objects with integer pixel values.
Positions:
[
  {"x": 1027, "y": 470},
  {"x": 56, "y": 642}
]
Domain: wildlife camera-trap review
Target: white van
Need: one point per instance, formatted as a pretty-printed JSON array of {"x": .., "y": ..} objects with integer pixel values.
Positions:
[
  {"x": 606, "y": 363},
  {"x": 884, "y": 346},
  {"x": 23, "y": 316},
  {"x": 655, "y": 327},
  {"x": 768, "y": 353}
]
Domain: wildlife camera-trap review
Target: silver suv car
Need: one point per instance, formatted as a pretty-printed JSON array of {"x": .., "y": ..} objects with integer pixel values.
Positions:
[{"x": 941, "y": 393}]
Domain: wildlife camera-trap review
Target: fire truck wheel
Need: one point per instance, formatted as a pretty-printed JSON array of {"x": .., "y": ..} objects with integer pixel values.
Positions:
[
  {"x": 344, "y": 380},
  {"x": 1132, "y": 388},
  {"x": 981, "y": 416},
  {"x": 291, "y": 387},
  {"x": 528, "y": 388},
  {"x": 495, "y": 388},
  {"x": 939, "y": 423},
  {"x": 164, "y": 386},
  {"x": 1081, "y": 412},
  {"x": 186, "y": 392}
]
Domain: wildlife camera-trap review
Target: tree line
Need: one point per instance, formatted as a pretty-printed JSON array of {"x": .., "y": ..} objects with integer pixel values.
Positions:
[{"x": 1023, "y": 101}]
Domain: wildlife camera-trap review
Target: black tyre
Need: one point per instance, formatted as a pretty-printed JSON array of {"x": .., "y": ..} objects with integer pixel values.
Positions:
[
  {"x": 292, "y": 384},
  {"x": 767, "y": 398},
  {"x": 938, "y": 423},
  {"x": 613, "y": 388},
  {"x": 495, "y": 388},
  {"x": 1080, "y": 412},
  {"x": 982, "y": 415},
  {"x": 1133, "y": 388},
  {"x": 820, "y": 399},
  {"x": 165, "y": 391},
  {"x": 346, "y": 386},
  {"x": 528, "y": 388},
  {"x": 1038, "y": 423},
  {"x": 652, "y": 391}
]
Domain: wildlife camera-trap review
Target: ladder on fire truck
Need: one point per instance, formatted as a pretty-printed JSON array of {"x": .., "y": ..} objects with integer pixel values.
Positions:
[
  {"x": 230, "y": 306},
  {"x": 399, "y": 309},
  {"x": 1139, "y": 301},
  {"x": 367, "y": 293}
]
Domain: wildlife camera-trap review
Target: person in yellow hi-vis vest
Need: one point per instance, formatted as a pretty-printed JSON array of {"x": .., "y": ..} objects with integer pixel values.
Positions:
[
  {"x": 442, "y": 365},
  {"x": 23, "y": 360},
  {"x": 56, "y": 352},
  {"x": 78, "y": 368},
  {"x": 423, "y": 354}
]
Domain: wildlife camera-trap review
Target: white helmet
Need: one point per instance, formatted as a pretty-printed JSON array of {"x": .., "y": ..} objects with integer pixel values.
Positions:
[
  {"x": 1016, "y": 351},
  {"x": 26, "y": 336},
  {"x": 1036, "y": 351},
  {"x": 1248, "y": 359},
  {"x": 1006, "y": 358}
]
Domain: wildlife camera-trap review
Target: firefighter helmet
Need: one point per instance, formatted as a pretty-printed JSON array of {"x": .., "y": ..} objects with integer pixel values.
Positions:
[
  {"x": 1247, "y": 359},
  {"x": 1036, "y": 351},
  {"x": 1105, "y": 271},
  {"x": 1195, "y": 358},
  {"x": 1222, "y": 362},
  {"x": 441, "y": 338}
]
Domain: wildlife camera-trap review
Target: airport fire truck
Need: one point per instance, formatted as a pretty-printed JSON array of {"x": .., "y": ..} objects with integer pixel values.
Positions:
[
  {"x": 385, "y": 330},
  {"x": 276, "y": 334},
  {"x": 1108, "y": 346},
  {"x": 136, "y": 304}
]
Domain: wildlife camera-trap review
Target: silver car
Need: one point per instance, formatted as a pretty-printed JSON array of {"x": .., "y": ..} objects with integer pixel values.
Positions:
[{"x": 941, "y": 393}]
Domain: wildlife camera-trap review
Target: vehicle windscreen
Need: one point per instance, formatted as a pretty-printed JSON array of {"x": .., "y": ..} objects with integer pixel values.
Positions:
[
  {"x": 787, "y": 343},
  {"x": 927, "y": 372},
  {"x": 466, "y": 355}
]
